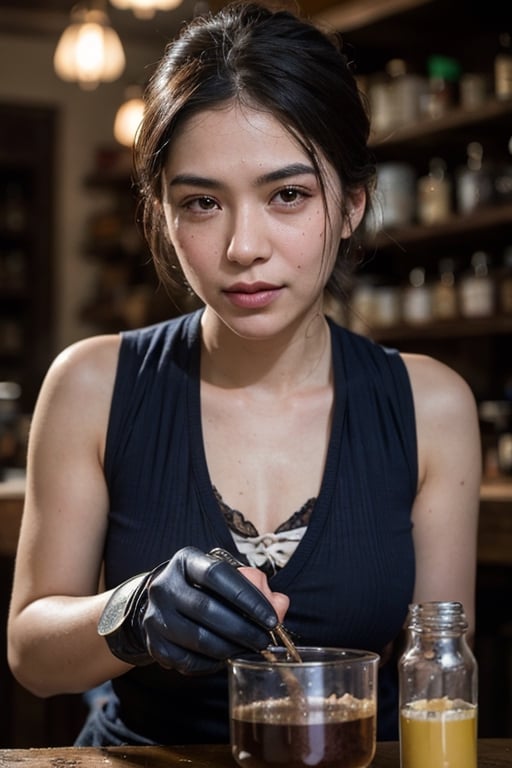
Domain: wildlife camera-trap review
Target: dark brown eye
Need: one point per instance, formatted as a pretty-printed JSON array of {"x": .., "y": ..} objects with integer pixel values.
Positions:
[{"x": 289, "y": 195}]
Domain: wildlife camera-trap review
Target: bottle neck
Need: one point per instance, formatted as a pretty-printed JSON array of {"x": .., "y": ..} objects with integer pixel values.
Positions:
[{"x": 438, "y": 618}]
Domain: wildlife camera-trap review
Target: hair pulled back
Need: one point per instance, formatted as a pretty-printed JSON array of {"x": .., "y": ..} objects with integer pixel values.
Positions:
[{"x": 267, "y": 59}]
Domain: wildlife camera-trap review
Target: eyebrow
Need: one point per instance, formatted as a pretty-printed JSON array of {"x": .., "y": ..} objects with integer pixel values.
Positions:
[{"x": 287, "y": 172}]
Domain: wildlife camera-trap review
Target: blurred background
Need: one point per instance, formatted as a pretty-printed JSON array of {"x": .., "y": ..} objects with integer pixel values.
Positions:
[{"x": 437, "y": 270}]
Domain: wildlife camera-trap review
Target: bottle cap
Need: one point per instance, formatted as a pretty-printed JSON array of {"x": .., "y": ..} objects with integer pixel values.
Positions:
[{"x": 444, "y": 67}]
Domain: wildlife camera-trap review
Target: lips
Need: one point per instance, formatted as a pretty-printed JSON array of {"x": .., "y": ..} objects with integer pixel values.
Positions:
[{"x": 252, "y": 295}]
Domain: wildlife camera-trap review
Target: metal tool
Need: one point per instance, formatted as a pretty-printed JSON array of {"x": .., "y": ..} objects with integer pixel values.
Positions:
[{"x": 279, "y": 633}]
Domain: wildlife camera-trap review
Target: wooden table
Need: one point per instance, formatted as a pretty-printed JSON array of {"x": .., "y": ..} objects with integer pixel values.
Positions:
[{"x": 492, "y": 753}]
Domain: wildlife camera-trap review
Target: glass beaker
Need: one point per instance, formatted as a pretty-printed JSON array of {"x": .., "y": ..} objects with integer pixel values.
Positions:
[{"x": 318, "y": 712}]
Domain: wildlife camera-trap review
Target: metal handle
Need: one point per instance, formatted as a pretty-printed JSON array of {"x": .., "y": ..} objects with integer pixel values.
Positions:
[{"x": 279, "y": 632}]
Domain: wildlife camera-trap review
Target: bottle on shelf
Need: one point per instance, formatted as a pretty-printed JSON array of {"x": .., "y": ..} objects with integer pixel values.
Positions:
[
  {"x": 438, "y": 689},
  {"x": 474, "y": 182},
  {"x": 473, "y": 90},
  {"x": 395, "y": 195},
  {"x": 417, "y": 298},
  {"x": 444, "y": 293},
  {"x": 505, "y": 283},
  {"x": 380, "y": 102},
  {"x": 498, "y": 456},
  {"x": 503, "y": 67},
  {"x": 476, "y": 289},
  {"x": 443, "y": 78},
  {"x": 362, "y": 305},
  {"x": 434, "y": 194},
  {"x": 387, "y": 306},
  {"x": 406, "y": 92}
]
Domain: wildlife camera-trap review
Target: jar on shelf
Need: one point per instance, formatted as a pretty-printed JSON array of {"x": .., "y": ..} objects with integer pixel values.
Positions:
[
  {"x": 380, "y": 103},
  {"x": 498, "y": 414},
  {"x": 476, "y": 289},
  {"x": 417, "y": 298},
  {"x": 474, "y": 182},
  {"x": 438, "y": 689},
  {"x": 473, "y": 90},
  {"x": 406, "y": 93},
  {"x": 395, "y": 194},
  {"x": 503, "y": 67},
  {"x": 434, "y": 194},
  {"x": 362, "y": 306},
  {"x": 10, "y": 392},
  {"x": 444, "y": 293},
  {"x": 387, "y": 306},
  {"x": 503, "y": 181}
]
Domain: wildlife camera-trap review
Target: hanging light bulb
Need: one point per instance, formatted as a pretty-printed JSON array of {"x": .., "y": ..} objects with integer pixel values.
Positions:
[
  {"x": 146, "y": 9},
  {"x": 89, "y": 50},
  {"x": 128, "y": 116}
]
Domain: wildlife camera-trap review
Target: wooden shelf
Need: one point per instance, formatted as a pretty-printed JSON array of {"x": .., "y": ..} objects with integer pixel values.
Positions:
[
  {"x": 481, "y": 220},
  {"x": 498, "y": 490},
  {"x": 461, "y": 328},
  {"x": 493, "y": 113},
  {"x": 354, "y": 14}
]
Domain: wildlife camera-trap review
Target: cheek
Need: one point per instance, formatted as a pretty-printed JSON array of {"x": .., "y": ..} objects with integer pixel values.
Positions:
[
  {"x": 189, "y": 246},
  {"x": 198, "y": 258}
]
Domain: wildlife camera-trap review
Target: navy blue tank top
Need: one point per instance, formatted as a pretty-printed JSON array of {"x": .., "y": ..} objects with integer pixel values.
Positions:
[{"x": 352, "y": 576}]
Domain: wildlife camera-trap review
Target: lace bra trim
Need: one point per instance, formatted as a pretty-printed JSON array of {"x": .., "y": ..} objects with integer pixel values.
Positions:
[{"x": 267, "y": 551}]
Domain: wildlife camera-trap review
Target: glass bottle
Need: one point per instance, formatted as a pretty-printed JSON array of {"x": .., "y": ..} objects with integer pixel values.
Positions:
[
  {"x": 474, "y": 182},
  {"x": 438, "y": 680},
  {"x": 417, "y": 298},
  {"x": 477, "y": 294},
  {"x": 503, "y": 68},
  {"x": 444, "y": 294},
  {"x": 406, "y": 93},
  {"x": 443, "y": 76},
  {"x": 434, "y": 194}
]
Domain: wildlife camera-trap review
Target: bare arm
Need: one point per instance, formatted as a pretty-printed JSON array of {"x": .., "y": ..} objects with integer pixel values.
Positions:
[
  {"x": 53, "y": 645},
  {"x": 445, "y": 513}
]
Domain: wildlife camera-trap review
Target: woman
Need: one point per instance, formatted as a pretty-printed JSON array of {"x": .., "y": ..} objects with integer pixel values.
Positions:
[{"x": 346, "y": 476}]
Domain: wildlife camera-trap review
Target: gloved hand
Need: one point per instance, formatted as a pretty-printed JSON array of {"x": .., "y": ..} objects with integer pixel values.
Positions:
[{"x": 191, "y": 614}]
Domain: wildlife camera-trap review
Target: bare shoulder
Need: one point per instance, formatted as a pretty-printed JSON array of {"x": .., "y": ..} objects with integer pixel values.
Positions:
[
  {"x": 77, "y": 389},
  {"x": 437, "y": 388},
  {"x": 87, "y": 364},
  {"x": 446, "y": 421}
]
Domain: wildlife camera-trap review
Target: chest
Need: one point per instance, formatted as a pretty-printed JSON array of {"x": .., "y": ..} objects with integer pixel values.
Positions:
[{"x": 265, "y": 456}]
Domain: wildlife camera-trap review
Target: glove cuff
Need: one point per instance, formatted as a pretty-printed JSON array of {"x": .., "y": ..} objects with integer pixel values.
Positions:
[{"x": 121, "y": 620}]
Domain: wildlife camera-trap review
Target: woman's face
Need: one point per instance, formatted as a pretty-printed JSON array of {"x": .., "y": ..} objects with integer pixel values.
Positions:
[{"x": 246, "y": 215}]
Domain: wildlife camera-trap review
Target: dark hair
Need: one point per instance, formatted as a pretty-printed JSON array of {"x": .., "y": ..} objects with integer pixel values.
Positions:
[{"x": 269, "y": 59}]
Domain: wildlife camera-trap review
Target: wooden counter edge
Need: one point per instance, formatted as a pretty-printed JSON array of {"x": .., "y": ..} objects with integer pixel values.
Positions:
[{"x": 493, "y": 753}]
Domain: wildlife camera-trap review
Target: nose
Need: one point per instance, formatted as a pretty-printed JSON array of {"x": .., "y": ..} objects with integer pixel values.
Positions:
[{"x": 249, "y": 238}]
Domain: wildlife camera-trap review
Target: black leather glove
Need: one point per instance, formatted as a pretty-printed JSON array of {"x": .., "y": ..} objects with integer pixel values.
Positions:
[{"x": 189, "y": 614}]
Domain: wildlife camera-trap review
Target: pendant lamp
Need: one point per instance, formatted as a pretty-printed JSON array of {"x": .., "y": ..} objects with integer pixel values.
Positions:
[
  {"x": 128, "y": 116},
  {"x": 146, "y": 9},
  {"x": 89, "y": 50}
]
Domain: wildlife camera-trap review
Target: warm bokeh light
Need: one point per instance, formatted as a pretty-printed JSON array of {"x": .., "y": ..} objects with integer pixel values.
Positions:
[
  {"x": 146, "y": 9},
  {"x": 89, "y": 50},
  {"x": 128, "y": 117}
]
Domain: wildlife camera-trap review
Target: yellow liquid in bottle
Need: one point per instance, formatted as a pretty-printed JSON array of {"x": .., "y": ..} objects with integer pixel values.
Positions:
[{"x": 439, "y": 733}]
